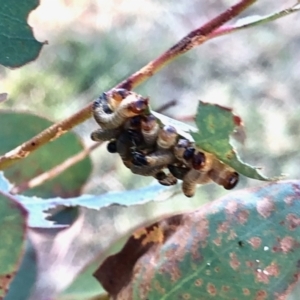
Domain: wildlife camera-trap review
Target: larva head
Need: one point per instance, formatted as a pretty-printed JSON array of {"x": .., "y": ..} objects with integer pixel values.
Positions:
[
  {"x": 119, "y": 94},
  {"x": 198, "y": 161},
  {"x": 137, "y": 104},
  {"x": 139, "y": 159},
  {"x": 102, "y": 102},
  {"x": 112, "y": 146},
  {"x": 189, "y": 153},
  {"x": 167, "y": 137},
  {"x": 231, "y": 180},
  {"x": 148, "y": 123}
]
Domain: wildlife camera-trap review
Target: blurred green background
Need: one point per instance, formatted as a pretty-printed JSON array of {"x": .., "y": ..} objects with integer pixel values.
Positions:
[{"x": 93, "y": 45}]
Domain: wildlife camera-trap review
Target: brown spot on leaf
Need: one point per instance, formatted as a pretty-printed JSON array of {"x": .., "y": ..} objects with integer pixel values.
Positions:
[
  {"x": 293, "y": 221},
  {"x": 231, "y": 207},
  {"x": 211, "y": 289},
  {"x": 272, "y": 270},
  {"x": 232, "y": 235},
  {"x": 225, "y": 288},
  {"x": 246, "y": 292},
  {"x": 223, "y": 227},
  {"x": 261, "y": 276},
  {"x": 217, "y": 241},
  {"x": 261, "y": 295},
  {"x": 255, "y": 242},
  {"x": 234, "y": 262},
  {"x": 287, "y": 244},
  {"x": 230, "y": 154},
  {"x": 198, "y": 282},
  {"x": 265, "y": 207},
  {"x": 186, "y": 296},
  {"x": 242, "y": 216}
]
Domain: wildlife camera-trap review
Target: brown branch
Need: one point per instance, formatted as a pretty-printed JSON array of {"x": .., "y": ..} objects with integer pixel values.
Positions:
[
  {"x": 192, "y": 40},
  {"x": 54, "y": 172}
]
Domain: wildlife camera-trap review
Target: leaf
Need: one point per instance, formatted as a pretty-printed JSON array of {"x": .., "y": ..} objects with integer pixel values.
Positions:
[
  {"x": 84, "y": 287},
  {"x": 13, "y": 227},
  {"x": 23, "y": 126},
  {"x": 18, "y": 45},
  {"x": 87, "y": 242},
  {"x": 244, "y": 246},
  {"x": 25, "y": 278},
  {"x": 215, "y": 124}
]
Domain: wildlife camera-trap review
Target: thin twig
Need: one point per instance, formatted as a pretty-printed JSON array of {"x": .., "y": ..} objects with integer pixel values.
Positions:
[
  {"x": 254, "y": 21},
  {"x": 54, "y": 172},
  {"x": 208, "y": 31},
  {"x": 166, "y": 106}
]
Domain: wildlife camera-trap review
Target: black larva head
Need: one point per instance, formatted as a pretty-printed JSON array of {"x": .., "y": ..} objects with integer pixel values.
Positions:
[
  {"x": 139, "y": 159},
  {"x": 198, "y": 161},
  {"x": 135, "y": 121},
  {"x": 112, "y": 147},
  {"x": 231, "y": 181},
  {"x": 189, "y": 153}
]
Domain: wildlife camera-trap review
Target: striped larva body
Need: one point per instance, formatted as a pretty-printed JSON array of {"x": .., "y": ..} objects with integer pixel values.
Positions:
[
  {"x": 190, "y": 181},
  {"x": 150, "y": 130},
  {"x": 148, "y": 143},
  {"x": 130, "y": 106},
  {"x": 100, "y": 134},
  {"x": 223, "y": 175}
]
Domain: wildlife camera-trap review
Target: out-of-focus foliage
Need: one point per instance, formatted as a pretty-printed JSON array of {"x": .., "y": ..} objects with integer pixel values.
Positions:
[
  {"x": 18, "y": 45},
  {"x": 13, "y": 228},
  {"x": 17, "y": 128}
]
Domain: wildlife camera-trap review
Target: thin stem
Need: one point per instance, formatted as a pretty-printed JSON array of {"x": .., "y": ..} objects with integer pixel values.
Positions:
[
  {"x": 54, "y": 172},
  {"x": 166, "y": 106},
  {"x": 208, "y": 31},
  {"x": 254, "y": 21}
]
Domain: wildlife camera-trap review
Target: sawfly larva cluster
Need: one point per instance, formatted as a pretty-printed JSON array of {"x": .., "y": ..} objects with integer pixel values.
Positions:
[{"x": 148, "y": 146}]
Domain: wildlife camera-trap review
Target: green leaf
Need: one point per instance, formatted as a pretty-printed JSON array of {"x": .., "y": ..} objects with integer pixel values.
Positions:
[
  {"x": 216, "y": 124},
  {"x": 16, "y": 128},
  {"x": 13, "y": 227},
  {"x": 25, "y": 278},
  {"x": 84, "y": 287},
  {"x": 244, "y": 246},
  {"x": 18, "y": 45}
]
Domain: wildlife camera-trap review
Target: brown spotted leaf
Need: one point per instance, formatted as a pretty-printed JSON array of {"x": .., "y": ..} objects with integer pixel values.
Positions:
[
  {"x": 244, "y": 246},
  {"x": 13, "y": 228}
]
